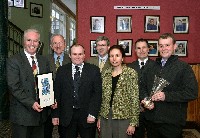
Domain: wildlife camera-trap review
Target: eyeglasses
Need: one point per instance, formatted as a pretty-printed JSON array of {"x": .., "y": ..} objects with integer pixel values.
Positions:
[
  {"x": 57, "y": 43},
  {"x": 101, "y": 45}
]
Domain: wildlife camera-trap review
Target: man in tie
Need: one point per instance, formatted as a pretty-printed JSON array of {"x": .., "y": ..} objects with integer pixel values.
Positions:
[
  {"x": 102, "y": 46},
  {"x": 56, "y": 59},
  {"x": 26, "y": 115},
  {"x": 166, "y": 116},
  {"x": 78, "y": 91},
  {"x": 141, "y": 64}
]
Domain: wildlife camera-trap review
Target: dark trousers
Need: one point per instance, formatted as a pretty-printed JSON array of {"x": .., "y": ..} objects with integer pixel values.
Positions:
[
  {"x": 76, "y": 127},
  {"x": 19, "y": 131},
  {"x": 140, "y": 130},
  {"x": 48, "y": 128},
  {"x": 163, "y": 130}
]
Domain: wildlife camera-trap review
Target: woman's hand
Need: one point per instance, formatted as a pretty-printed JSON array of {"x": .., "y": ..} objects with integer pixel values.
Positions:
[{"x": 130, "y": 130}]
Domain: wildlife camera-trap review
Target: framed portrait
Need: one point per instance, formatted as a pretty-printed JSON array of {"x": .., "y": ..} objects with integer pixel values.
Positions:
[
  {"x": 93, "y": 50},
  {"x": 45, "y": 89},
  {"x": 36, "y": 10},
  {"x": 152, "y": 24},
  {"x": 97, "y": 24},
  {"x": 124, "y": 24},
  {"x": 181, "y": 24},
  {"x": 153, "y": 47},
  {"x": 10, "y": 3},
  {"x": 126, "y": 45},
  {"x": 17, "y": 3},
  {"x": 181, "y": 49}
]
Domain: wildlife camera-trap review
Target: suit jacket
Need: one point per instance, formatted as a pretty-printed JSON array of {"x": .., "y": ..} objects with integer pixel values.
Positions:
[
  {"x": 95, "y": 61},
  {"x": 90, "y": 92},
  {"x": 135, "y": 65},
  {"x": 51, "y": 59},
  {"x": 21, "y": 84}
]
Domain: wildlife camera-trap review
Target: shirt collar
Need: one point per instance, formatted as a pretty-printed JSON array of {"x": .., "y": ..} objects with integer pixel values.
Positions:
[
  {"x": 145, "y": 60},
  {"x": 103, "y": 58}
]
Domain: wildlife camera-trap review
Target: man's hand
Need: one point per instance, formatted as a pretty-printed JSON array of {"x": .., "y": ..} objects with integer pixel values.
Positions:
[
  {"x": 150, "y": 107},
  {"x": 37, "y": 107},
  {"x": 159, "y": 96},
  {"x": 90, "y": 119},
  {"x": 98, "y": 124},
  {"x": 55, "y": 121}
]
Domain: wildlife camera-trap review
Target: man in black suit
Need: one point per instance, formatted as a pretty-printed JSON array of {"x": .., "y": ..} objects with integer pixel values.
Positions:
[
  {"x": 140, "y": 65},
  {"x": 78, "y": 89},
  {"x": 57, "y": 59},
  {"x": 26, "y": 114}
]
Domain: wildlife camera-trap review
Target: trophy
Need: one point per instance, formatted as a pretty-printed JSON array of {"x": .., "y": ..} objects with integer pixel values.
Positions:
[{"x": 159, "y": 85}]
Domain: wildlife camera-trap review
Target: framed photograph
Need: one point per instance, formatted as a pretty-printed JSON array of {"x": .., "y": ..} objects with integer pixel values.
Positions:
[
  {"x": 153, "y": 47},
  {"x": 181, "y": 24},
  {"x": 152, "y": 24},
  {"x": 181, "y": 49},
  {"x": 97, "y": 24},
  {"x": 36, "y": 10},
  {"x": 124, "y": 24},
  {"x": 93, "y": 50},
  {"x": 127, "y": 45},
  {"x": 18, "y": 3},
  {"x": 45, "y": 89},
  {"x": 10, "y": 3}
]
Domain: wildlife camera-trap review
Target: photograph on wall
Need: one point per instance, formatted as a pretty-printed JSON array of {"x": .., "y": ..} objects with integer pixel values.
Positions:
[
  {"x": 36, "y": 10},
  {"x": 97, "y": 24},
  {"x": 93, "y": 50},
  {"x": 124, "y": 24},
  {"x": 153, "y": 47},
  {"x": 152, "y": 24},
  {"x": 181, "y": 49},
  {"x": 181, "y": 24},
  {"x": 18, "y": 3},
  {"x": 126, "y": 45},
  {"x": 10, "y": 3}
]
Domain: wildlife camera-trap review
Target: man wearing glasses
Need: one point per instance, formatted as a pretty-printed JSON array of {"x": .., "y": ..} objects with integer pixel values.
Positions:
[{"x": 102, "y": 46}]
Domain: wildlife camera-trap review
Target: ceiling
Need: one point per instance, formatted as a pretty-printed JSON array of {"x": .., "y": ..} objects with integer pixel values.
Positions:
[{"x": 71, "y": 4}]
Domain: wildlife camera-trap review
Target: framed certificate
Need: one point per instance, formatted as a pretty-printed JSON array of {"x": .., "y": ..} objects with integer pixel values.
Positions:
[{"x": 45, "y": 89}]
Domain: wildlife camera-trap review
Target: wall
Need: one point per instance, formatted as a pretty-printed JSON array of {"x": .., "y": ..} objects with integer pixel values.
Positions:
[
  {"x": 168, "y": 9},
  {"x": 21, "y": 18}
]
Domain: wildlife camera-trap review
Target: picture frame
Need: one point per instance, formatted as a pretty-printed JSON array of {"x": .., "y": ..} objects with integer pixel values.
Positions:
[
  {"x": 152, "y": 24},
  {"x": 181, "y": 24},
  {"x": 36, "y": 10},
  {"x": 127, "y": 44},
  {"x": 124, "y": 23},
  {"x": 153, "y": 48},
  {"x": 181, "y": 49},
  {"x": 18, "y": 3},
  {"x": 45, "y": 90},
  {"x": 10, "y": 3},
  {"x": 93, "y": 51},
  {"x": 97, "y": 24}
]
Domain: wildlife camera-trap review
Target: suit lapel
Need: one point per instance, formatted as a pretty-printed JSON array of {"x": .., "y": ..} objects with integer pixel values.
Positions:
[{"x": 84, "y": 74}]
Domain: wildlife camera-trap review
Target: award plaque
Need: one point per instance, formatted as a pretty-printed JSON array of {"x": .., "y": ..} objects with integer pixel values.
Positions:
[{"x": 45, "y": 89}]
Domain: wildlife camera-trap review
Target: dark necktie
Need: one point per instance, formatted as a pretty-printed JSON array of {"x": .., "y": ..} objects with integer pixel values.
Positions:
[
  {"x": 34, "y": 67},
  {"x": 142, "y": 65},
  {"x": 76, "y": 87},
  {"x": 58, "y": 62}
]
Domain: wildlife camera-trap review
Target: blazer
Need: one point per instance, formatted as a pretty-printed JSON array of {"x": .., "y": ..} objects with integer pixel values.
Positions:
[
  {"x": 21, "y": 84},
  {"x": 51, "y": 59},
  {"x": 95, "y": 61},
  {"x": 125, "y": 103},
  {"x": 90, "y": 92}
]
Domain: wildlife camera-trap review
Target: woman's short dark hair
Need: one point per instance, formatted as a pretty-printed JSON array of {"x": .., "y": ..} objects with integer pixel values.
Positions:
[{"x": 119, "y": 47}]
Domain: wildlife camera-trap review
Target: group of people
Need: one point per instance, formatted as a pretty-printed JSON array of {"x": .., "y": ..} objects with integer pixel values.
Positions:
[{"x": 101, "y": 95}]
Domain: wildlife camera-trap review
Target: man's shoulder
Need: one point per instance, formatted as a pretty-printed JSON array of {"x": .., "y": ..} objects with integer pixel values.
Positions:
[{"x": 133, "y": 64}]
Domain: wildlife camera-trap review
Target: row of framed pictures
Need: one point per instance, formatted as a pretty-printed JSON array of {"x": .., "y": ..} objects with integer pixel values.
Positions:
[
  {"x": 151, "y": 24},
  {"x": 127, "y": 44}
]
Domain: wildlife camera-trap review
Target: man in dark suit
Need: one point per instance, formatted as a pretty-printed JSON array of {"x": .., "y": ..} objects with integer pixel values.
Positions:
[
  {"x": 26, "y": 114},
  {"x": 57, "y": 59},
  {"x": 140, "y": 65},
  {"x": 78, "y": 89},
  {"x": 102, "y": 46}
]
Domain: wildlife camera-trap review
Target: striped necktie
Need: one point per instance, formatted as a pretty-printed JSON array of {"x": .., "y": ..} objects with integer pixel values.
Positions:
[
  {"x": 34, "y": 67},
  {"x": 101, "y": 65},
  {"x": 58, "y": 62}
]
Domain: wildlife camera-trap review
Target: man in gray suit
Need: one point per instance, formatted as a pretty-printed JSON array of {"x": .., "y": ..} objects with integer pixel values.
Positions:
[
  {"x": 57, "y": 59},
  {"x": 102, "y": 46},
  {"x": 26, "y": 114}
]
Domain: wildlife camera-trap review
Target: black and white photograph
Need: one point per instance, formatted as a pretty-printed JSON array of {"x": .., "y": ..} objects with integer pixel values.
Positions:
[
  {"x": 97, "y": 24},
  {"x": 181, "y": 24},
  {"x": 36, "y": 10},
  {"x": 124, "y": 24},
  {"x": 93, "y": 50},
  {"x": 18, "y": 3},
  {"x": 152, "y": 24},
  {"x": 181, "y": 49},
  {"x": 10, "y": 3},
  {"x": 153, "y": 48},
  {"x": 126, "y": 45}
]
